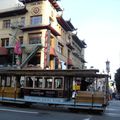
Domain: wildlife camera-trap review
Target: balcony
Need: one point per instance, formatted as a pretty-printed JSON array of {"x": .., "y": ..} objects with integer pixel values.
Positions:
[{"x": 40, "y": 27}]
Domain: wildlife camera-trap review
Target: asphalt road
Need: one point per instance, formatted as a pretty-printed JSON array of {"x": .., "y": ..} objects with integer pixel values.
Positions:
[{"x": 48, "y": 113}]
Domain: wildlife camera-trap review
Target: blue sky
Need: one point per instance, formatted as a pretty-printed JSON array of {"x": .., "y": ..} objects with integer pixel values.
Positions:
[{"x": 98, "y": 23}]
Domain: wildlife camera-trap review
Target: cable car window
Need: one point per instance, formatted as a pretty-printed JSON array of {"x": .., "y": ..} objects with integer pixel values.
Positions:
[
  {"x": 48, "y": 82},
  {"x": 58, "y": 82},
  {"x": 29, "y": 82},
  {"x": 13, "y": 81},
  {"x": 39, "y": 82},
  {"x": 8, "y": 82},
  {"x": 3, "y": 83},
  {"x": 0, "y": 82}
]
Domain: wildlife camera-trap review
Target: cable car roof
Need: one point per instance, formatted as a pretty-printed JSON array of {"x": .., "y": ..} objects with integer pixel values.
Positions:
[{"x": 69, "y": 73}]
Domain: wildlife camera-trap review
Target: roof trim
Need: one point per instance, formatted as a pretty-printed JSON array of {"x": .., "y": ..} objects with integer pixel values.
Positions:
[
  {"x": 13, "y": 12},
  {"x": 73, "y": 72},
  {"x": 71, "y": 25},
  {"x": 81, "y": 43},
  {"x": 55, "y": 5},
  {"x": 29, "y": 1},
  {"x": 65, "y": 24}
]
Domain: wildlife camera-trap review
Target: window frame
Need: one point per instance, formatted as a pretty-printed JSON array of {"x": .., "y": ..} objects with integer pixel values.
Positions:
[
  {"x": 35, "y": 41},
  {"x": 46, "y": 82},
  {"x": 23, "y": 21},
  {"x": 4, "y": 42},
  {"x": 36, "y": 20},
  {"x": 60, "y": 48},
  {"x": 55, "y": 82},
  {"x": 6, "y": 23}
]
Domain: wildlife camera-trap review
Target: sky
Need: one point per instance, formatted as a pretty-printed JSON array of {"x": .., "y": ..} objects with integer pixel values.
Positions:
[{"x": 98, "y": 23}]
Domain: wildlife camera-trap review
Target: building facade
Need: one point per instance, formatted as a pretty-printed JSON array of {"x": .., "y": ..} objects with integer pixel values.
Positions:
[{"x": 36, "y": 35}]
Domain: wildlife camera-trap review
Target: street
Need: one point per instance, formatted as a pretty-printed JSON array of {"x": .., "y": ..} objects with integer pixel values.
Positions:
[
  {"x": 113, "y": 110},
  {"x": 47, "y": 113}
]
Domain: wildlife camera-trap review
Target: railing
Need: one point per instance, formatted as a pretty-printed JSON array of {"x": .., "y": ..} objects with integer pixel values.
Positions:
[{"x": 30, "y": 56}]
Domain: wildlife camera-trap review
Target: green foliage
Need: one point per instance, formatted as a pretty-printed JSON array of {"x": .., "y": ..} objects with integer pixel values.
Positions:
[{"x": 117, "y": 80}]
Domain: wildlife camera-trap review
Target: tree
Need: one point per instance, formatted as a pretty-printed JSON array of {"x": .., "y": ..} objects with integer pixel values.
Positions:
[{"x": 117, "y": 80}]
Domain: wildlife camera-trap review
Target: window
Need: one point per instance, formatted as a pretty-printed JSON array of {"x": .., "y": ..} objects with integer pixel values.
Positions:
[
  {"x": 8, "y": 82},
  {"x": 68, "y": 53},
  {"x": 4, "y": 42},
  {"x": 6, "y": 23},
  {"x": 60, "y": 48},
  {"x": 23, "y": 21},
  {"x": 35, "y": 60},
  {"x": 3, "y": 83},
  {"x": 39, "y": 82},
  {"x": 29, "y": 82},
  {"x": 35, "y": 38},
  {"x": 13, "y": 81},
  {"x": 58, "y": 83},
  {"x": 21, "y": 39},
  {"x": 48, "y": 82},
  {"x": 36, "y": 20}
]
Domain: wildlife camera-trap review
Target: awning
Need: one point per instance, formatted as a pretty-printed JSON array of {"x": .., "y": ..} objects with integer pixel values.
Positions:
[
  {"x": 55, "y": 5},
  {"x": 67, "y": 25},
  {"x": 3, "y": 51},
  {"x": 52, "y": 52}
]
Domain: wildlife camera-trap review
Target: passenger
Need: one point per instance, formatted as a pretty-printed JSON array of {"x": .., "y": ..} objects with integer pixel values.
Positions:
[{"x": 47, "y": 67}]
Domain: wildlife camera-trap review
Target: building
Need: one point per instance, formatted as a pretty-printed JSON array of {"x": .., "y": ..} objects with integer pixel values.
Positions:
[{"x": 36, "y": 35}]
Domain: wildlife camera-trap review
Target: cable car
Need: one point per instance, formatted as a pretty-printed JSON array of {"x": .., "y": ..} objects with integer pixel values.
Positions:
[{"x": 74, "y": 89}]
